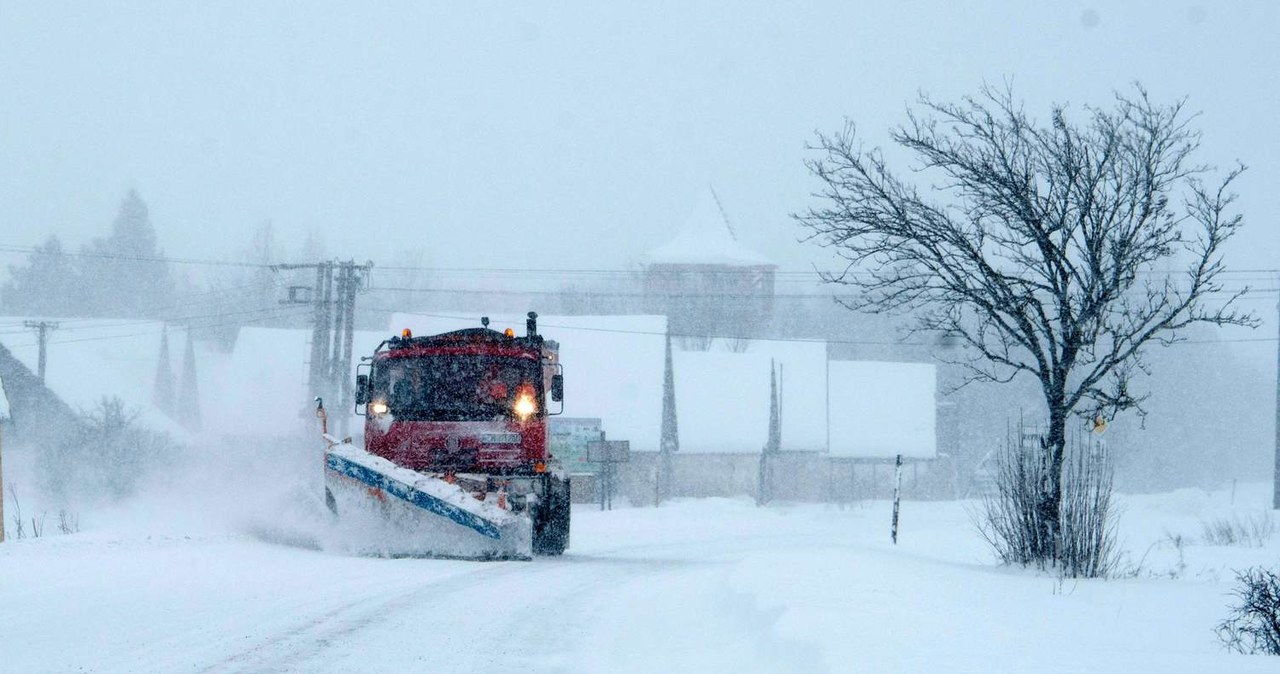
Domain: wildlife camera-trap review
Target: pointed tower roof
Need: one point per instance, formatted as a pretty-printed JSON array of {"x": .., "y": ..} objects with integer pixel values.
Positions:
[{"x": 707, "y": 238}]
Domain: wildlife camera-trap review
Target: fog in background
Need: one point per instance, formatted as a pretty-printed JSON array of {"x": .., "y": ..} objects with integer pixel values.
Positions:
[
  {"x": 574, "y": 139},
  {"x": 495, "y": 134}
]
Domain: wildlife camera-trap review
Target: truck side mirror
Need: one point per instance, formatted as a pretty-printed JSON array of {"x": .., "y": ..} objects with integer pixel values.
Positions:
[
  {"x": 557, "y": 388},
  {"x": 362, "y": 389}
]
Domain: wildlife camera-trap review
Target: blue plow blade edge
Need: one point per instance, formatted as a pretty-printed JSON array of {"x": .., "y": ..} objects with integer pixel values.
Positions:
[{"x": 413, "y": 495}]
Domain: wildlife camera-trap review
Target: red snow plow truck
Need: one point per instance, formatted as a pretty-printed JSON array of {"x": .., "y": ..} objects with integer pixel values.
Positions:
[{"x": 455, "y": 460}]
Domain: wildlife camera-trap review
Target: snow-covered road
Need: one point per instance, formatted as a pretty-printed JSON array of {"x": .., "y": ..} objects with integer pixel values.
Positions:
[
  {"x": 696, "y": 586},
  {"x": 239, "y": 603}
]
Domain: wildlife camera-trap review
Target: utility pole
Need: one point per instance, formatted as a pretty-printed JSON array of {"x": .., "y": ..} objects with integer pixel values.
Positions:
[
  {"x": 355, "y": 276},
  {"x": 1275, "y": 479},
  {"x": 343, "y": 314},
  {"x": 332, "y": 327},
  {"x": 42, "y": 328},
  {"x": 335, "y": 374},
  {"x": 320, "y": 296}
]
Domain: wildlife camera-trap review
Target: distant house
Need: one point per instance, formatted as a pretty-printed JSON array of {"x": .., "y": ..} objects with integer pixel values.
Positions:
[
  {"x": 92, "y": 359},
  {"x": 706, "y": 282},
  {"x": 882, "y": 409}
]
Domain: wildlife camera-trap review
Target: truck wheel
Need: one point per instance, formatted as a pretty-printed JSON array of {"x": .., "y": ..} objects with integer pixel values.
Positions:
[{"x": 551, "y": 521}]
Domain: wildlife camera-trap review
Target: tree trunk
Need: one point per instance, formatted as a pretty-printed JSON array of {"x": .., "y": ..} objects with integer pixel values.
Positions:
[{"x": 1054, "y": 444}]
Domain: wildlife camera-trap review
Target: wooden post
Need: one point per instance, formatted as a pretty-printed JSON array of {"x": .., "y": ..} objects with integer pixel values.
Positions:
[
  {"x": 602, "y": 482},
  {"x": 1, "y": 482},
  {"x": 42, "y": 328},
  {"x": 897, "y": 493}
]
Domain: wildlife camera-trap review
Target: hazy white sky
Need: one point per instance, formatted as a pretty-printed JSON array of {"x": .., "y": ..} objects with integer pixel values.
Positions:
[{"x": 578, "y": 135}]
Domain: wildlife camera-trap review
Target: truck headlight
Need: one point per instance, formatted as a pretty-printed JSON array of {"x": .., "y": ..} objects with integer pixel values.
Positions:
[
  {"x": 378, "y": 408},
  {"x": 525, "y": 406}
]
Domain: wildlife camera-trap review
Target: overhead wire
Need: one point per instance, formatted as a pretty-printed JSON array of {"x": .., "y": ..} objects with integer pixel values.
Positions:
[
  {"x": 95, "y": 323},
  {"x": 518, "y": 271},
  {"x": 802, "y": 340},
  {"x": 1233, "y": 275},
  {"x": 274, "y": 312}
]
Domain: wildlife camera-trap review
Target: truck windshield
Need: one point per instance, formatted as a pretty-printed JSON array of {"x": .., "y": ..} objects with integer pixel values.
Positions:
[{"x": 458, "y": 388}]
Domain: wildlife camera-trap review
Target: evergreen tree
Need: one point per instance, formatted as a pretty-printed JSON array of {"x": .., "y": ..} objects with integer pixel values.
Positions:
[
  {"x": 670, "y": 440},
  {"x": 125, "y": 274},
  {"x": 162, "y": 395},
  {"x": 47, "y": 286},
  {"x": 188, "y": 407},
  {"x": 773, "y": 444}
]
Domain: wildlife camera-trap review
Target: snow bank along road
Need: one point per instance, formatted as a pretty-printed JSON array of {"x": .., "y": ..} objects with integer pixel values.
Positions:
[{"x": 698, "y": 586}]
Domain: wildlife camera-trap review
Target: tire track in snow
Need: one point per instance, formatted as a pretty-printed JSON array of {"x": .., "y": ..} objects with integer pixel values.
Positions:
[
  {"x": 320, "y": 641},
  {"x": 286, "y": 651},
  {"x": 533, "y": 616}
]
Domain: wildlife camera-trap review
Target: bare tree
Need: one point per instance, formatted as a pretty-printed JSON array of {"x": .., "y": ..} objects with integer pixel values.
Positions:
[
  {"x": 1254, "y": 623},
  {"x": 1056, "y": 251}
]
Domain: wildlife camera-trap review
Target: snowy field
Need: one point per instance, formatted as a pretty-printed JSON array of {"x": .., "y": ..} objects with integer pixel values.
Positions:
[{"x": 190, "y": 579}]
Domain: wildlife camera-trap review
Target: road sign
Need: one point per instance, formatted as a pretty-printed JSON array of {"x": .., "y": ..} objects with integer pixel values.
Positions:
[
  {"x": 609, "y": 451},
  {"x": 569, "y": 438}
]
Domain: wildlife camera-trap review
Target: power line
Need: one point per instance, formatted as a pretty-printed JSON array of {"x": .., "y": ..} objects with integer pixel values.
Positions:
[
  {"x": 522, "y": 271},
  {"x": 806, "y": 340},
  {"x": 277, "y": 312},
  {"x": 598, "y": 293},
  {"x": 135, "y": 258},
  {"x": 1249, "y": 293},
  {"x": 267, "y": 313},
  {"x": 801, "y": 340},
  {"x": 75, "y": 324}
]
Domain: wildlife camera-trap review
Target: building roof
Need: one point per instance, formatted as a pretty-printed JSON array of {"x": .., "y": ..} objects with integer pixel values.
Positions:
[
  {"x": 92, "y": 359},
  {"x": 706, "y": 239},
  {"x": 881, "y": 409},
  {"x": 260, "y": 389}
]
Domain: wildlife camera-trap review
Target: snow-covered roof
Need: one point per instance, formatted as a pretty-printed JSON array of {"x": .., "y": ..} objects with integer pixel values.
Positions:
[
  {"x": 880, "y": 409},
  {"x": 89, "y": 359},
  {"x": 261, "y": 388},
  {"x": 722, "y": 398},
  {"x": 706, "y": 239}
]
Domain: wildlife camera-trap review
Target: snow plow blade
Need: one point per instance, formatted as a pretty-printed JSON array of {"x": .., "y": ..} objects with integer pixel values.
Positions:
[{"x": 403, "y": 513}]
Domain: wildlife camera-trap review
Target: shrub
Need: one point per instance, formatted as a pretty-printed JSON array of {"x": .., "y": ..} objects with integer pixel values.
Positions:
[
  {"x": 1011, "y": 516},
  {"x": 1254, "y": 530},
  {"x": 1254, "y": 623},
  {"x": 104, "y": 455}
]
